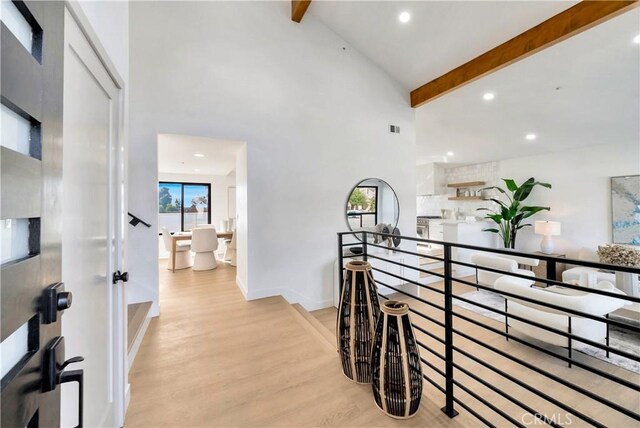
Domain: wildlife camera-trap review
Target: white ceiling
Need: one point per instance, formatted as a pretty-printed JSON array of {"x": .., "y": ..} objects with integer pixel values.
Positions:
[
  {"x": 440, "y": 36},
  {"x": 176, "y": 155},
  {"x": 598, "y": 76}
]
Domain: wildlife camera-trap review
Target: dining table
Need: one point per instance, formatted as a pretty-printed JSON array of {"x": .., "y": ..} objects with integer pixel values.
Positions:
[{"x": 186, "y": 236}]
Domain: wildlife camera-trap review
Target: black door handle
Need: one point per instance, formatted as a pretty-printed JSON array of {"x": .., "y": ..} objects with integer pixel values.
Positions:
[
  {"x": 120, "y": 276},
  {"x": 75, "y": 376},
  {"x": 53, "y": 374}
]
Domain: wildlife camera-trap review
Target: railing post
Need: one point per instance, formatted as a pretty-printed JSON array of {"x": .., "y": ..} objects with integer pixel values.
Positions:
[
  {"x": 448, "y": 333},
  {"x": 340, "y": 264},
  {"x": 364, "y": 246}
]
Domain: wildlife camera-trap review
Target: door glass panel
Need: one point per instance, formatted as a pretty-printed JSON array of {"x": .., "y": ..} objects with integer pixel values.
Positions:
[
  {"x": 14, "y": 236},
  {"x": 17, "y": 24},
  {"x": 196, "y": 205},
  {"x": 13, "y": 348},
  {"x": 18, "y": 133}
]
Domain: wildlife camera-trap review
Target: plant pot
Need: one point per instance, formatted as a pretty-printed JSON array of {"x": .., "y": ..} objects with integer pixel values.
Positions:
[
  {"x": 395, "y": 359},
  {"x": 358, "y": 313}
]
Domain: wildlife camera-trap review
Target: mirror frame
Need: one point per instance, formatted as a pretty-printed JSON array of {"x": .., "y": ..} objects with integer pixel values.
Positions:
[{"x": 346, "y": 204}]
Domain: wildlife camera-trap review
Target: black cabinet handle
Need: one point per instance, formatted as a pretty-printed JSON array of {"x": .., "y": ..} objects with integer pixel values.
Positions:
[{"x": 75, "y": 376}]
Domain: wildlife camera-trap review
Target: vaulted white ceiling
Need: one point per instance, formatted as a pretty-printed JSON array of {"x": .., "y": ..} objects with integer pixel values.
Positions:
[
  {"x": 176, "y": 155},
  {"x": 440, "y": 36},
  {"x": 583, "y": 91}
]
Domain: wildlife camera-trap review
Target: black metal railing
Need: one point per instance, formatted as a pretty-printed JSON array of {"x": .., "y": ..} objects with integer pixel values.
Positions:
[{"x": 464, "y": 364}]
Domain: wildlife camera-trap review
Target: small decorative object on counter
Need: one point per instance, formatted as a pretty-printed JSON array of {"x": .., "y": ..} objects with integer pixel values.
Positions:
[
  {"x": 358, "y": 313},
  {"x": 395, "y": 363}
]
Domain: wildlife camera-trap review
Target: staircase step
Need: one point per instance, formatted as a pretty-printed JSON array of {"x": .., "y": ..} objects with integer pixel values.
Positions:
[
  {"x": 315, "y": 327},
  {"x": 136, "y": 314}
]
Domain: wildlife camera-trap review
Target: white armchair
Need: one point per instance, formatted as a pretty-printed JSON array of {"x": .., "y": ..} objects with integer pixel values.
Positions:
[
  {"x": 204, "y": 241},
  {"x": 500, "y": 262},
  {"x": 183, "y": 256}
]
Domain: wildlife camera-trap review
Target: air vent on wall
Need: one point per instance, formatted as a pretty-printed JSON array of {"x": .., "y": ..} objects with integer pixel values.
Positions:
[{"x": 394, "y": 129}]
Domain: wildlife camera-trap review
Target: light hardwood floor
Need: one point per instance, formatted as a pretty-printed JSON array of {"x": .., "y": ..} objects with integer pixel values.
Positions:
[
  {"x": 214, "y": 359},
  {"x": 602, "y": 387}
]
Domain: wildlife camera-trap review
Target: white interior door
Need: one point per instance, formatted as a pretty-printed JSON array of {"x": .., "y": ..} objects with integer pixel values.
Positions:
[{"x": 91, "y": 236}]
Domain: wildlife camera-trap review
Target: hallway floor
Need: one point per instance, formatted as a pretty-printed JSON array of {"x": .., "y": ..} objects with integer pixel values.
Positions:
[{"x": 214, "y": 359}]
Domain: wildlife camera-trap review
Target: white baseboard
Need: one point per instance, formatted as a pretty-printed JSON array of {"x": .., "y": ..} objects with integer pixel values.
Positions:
[
  {"x": 242, "y": 287},
  {"x": 290, "y": 296}
]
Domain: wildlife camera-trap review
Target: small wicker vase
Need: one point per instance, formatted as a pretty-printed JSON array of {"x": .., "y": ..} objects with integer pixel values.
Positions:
[
  {"x": 395, "y": 363},
  {"x": 358, "y": 313}
]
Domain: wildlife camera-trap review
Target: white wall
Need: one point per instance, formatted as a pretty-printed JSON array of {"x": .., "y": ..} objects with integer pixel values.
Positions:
[
  {"x": 581, "y": 195},
  {"x": 314, "y": 114},
  {"x": 110, "y": 21}
]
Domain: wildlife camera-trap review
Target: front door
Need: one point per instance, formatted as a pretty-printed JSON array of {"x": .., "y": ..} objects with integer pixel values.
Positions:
[{"x": 31, "y": 223}]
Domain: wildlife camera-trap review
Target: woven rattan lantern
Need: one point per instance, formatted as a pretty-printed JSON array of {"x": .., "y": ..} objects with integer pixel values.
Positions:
[{"x": 358, "y": 313}]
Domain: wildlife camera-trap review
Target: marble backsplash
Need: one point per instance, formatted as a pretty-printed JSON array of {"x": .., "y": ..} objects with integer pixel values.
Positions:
[{"x": 433, "y": 204}]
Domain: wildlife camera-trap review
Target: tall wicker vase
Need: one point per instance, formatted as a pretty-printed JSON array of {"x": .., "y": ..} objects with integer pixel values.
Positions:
[
  {"x": 395, "y": 363},
  {"x": 358, "y": 313}
]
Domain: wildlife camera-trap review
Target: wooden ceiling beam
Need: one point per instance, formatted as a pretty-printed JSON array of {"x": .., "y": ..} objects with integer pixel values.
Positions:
[
  {"x": 298, "y": 9},
  {"x": 578, "y": 18}
]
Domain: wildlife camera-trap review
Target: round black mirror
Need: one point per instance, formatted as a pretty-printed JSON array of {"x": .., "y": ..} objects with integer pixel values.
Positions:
[{"x": 372, "y": 206}]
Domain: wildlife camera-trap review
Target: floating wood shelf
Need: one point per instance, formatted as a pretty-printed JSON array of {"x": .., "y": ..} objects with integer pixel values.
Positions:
[
  {"x": 465, "y": 198},
  {"x": 467, "y": 184}
]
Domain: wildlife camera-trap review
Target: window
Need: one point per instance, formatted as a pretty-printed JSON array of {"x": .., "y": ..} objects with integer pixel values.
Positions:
[
  {"x": 363, "y": 207},
  {"x": 183, "y": 206}
]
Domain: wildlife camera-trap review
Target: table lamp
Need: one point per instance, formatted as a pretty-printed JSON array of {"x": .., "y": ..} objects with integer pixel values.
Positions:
[{"x": 547, "y": 229}]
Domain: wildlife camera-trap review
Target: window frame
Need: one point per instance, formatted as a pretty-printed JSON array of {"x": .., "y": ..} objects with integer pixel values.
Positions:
[
  {"x": 182, "y": 184},
  {"x": 374, "y": 213}
]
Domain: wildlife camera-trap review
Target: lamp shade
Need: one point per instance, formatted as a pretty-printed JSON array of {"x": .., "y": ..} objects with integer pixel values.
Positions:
[{"x": 547, "y": 228}]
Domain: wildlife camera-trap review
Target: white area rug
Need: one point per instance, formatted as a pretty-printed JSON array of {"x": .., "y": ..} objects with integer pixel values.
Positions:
[{"x": 619, "y": 338}]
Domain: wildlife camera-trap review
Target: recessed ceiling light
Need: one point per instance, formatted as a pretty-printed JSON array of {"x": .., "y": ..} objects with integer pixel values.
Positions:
[
  {"x": 404, "y": 17},
  {"x": 488, "y": 96},
  {"x": 636, "y": 39},
  {"x": 450, "y": 153},
  {"x": 197, "y": 170},
  {"x": 198, "y": 155},
  {"x": 531, "y": 137}
]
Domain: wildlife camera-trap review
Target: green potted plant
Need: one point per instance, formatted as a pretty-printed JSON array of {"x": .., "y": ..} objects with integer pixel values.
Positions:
[{"x": 510, "y": 216}]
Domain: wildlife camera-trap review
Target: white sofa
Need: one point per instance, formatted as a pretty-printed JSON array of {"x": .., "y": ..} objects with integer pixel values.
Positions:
[
  {"x": 501, "y": 262},
  {"x": 586, "y": 302}
]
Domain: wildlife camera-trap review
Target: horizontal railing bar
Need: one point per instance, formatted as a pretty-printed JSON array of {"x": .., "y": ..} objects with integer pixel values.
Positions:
[
  {"x": 405, "y": 265},
  {"x": 550, "y": 281},
  {"x": 432, "y": 367},
  {"x": 407, "y": 281},
  {"x": 388, "y": 235},
  {"x": 510, "y": 252},
  {"x": 554, "y": 330},
  {"x": 433, "y": 351},
  {"x": 551, "y": 306},
  {"x": 403, "y": 251},
  {"x": 550, "y": 353},
  {"x": 426, "y": 302},
  {"x": 505, "y": 395},
  {"x": 474, "y": 413},
  {"x": 433, "y": 382},
  {"x": 428, "y": 333},
  {"x": 488, "y": 404},
  {"x": 527, "y": 386},
  {"x": 537, "y": 369}
]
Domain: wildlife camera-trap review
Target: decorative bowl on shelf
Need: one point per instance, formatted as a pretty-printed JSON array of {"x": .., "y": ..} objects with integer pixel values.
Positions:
[{"x": 356, "y": 250}]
